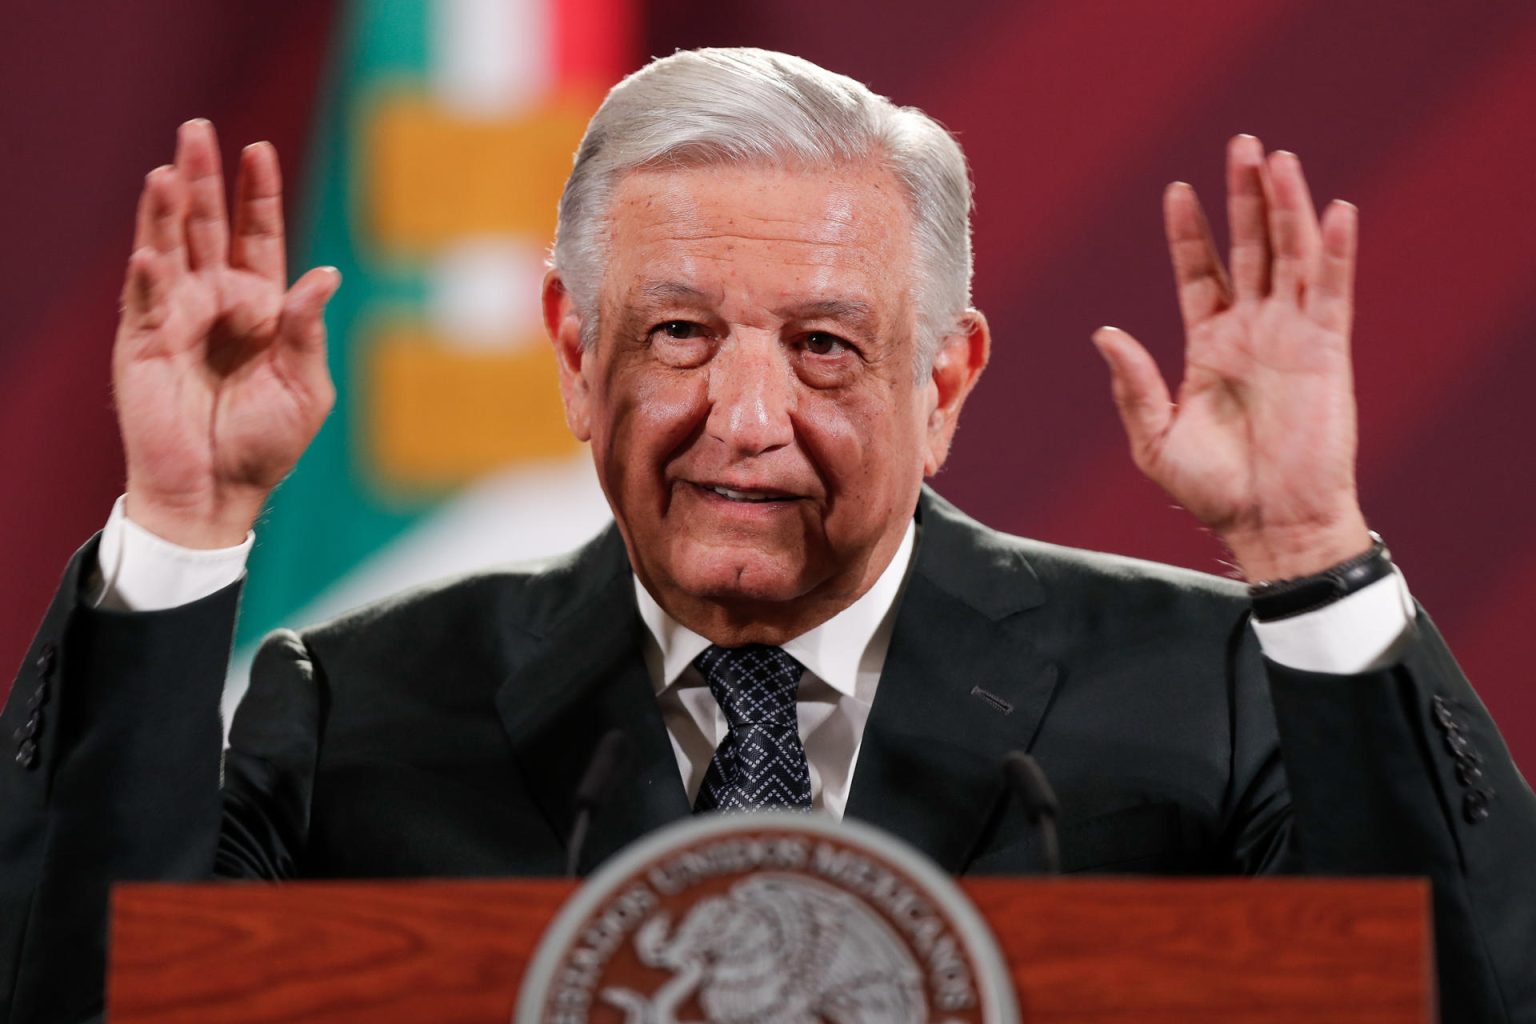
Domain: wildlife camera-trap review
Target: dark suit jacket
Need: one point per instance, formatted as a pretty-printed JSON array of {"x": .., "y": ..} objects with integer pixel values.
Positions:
[{"x": 443, "y": 733}]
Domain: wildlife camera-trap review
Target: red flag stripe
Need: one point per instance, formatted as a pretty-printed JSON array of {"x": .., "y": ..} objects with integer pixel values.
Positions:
[{"x": 596, "y": 41}]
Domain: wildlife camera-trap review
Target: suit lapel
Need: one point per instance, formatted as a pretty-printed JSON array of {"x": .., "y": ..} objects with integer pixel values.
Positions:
[
  {"x": 929, "y": 767},
  {"x": 586, "y": 676}
]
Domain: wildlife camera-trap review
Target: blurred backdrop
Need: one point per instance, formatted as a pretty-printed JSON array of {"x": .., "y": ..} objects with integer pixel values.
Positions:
[{"x": 424, "y": 144}]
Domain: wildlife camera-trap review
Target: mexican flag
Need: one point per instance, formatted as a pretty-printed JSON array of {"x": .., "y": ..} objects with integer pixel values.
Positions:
[{"x": 444, "y": 135}]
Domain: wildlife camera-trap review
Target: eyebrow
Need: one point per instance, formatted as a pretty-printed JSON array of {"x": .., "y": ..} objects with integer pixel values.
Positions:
[
  {"x": 853, "y": 311},
  {"x": 672, "y": 291}
]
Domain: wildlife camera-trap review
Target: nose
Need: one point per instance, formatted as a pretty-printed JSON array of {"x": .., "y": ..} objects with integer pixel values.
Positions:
[{"x": 751, "y": 393}]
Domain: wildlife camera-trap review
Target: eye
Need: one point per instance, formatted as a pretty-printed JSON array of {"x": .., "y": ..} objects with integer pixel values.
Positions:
[
  {"x": 820, "y": 343},
  {"x": 680, "y": 343},
  {"x": 678, "y": 330}
]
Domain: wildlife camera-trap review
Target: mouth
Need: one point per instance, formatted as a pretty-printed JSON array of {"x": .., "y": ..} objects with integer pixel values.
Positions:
[{"x": 747, "y": 496}]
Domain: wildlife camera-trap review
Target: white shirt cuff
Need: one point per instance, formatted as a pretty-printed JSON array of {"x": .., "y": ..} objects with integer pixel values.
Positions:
[
  {"x": 140, "y": 572},
  {"x": 1360, "y": 633}
]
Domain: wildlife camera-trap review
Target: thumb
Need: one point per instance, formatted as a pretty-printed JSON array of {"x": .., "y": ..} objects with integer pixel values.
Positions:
[
  {"x": 1141, "y": 396},
  {"x": 301, "y": 329},
  {"x": 303, "y": 325}
]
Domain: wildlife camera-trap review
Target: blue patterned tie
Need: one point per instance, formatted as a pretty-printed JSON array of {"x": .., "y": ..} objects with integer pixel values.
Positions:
[{"x": 760, "y": 763}]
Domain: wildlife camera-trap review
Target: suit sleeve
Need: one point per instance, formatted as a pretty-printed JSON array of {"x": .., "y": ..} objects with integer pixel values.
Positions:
[
  {"x": 1402, "y": 772},
  {"x": 114, "y": 776}
]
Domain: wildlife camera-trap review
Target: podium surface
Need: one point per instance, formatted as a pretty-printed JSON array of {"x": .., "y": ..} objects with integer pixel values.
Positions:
[{"x": 1081, "y": 951}]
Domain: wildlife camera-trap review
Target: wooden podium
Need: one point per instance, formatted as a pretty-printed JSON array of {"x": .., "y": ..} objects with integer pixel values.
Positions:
[{"x": 1090, "y": 951}]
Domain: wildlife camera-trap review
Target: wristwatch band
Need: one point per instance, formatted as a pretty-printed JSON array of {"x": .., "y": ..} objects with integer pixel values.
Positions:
[{"x": 1282, "y": 599}]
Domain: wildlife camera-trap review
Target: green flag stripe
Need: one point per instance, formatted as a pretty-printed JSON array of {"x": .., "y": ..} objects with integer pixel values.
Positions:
[{"x": 325, "y": 519}]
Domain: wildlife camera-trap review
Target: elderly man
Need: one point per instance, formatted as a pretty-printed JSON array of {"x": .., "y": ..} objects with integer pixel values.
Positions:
[{"x": 759, "y": 300}]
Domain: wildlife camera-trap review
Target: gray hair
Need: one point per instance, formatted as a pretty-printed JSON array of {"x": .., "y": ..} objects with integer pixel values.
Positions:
[{"x": 751, "y": 106}]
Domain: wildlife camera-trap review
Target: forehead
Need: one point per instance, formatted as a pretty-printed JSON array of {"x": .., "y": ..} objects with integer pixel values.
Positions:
[{"x": 761, "y": 233}]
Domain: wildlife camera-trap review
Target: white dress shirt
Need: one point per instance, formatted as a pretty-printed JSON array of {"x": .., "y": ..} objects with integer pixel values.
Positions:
[
  {"x": 843, "y": 657},
  {"x": 137, "y": 571}
]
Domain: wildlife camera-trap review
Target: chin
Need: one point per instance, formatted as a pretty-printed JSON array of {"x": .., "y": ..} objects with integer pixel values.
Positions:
[{"x": 740, "y": 575}]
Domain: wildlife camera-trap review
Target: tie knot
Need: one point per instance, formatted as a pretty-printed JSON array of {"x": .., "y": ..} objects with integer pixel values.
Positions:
[{"x": 754, "y": 684}]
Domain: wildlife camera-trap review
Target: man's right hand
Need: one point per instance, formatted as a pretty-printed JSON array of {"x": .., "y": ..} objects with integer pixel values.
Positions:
[{"x": 219, "y": 369}]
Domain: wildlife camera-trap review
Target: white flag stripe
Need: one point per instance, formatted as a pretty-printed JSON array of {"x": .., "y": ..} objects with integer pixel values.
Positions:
[
  {"x": 484, "y": 292},
  {"x": 491, "y": 57}
]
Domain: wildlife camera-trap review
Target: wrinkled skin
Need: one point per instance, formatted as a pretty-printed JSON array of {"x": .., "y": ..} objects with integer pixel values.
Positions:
[{"x": 757, "y": 336}]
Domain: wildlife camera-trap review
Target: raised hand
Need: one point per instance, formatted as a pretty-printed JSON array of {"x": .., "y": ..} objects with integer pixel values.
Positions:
[
  {"x": 1260, "y": 445},
  {"x": 219, "y": 368}
]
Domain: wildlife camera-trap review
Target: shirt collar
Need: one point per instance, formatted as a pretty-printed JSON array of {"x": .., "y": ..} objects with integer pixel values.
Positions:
[{"x": 831, "y": 651}]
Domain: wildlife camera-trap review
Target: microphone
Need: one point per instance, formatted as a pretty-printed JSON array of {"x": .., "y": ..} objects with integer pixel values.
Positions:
[
  {"x": 596, "y": 782},
  {"x": 1027, "y": 781}
]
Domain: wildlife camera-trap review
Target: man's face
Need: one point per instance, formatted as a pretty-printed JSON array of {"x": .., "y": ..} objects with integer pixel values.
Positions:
[{"x": 751, "y": 400}]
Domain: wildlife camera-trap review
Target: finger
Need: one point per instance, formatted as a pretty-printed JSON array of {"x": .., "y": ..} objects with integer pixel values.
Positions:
[
  {"x": 1248, "y": 216},
  {"x": 303, "y": 324},
  {"x": 1141, "y": 396},
  {"x": 257, "y": 244},
  {"x": 146, "y": 288},
  {"x": 1197, "y": 271},
  {"x": 162, "y": 211},
  {"x": 301, "y": 334},
  {"x": 1293, "y": 225},
  {"x": 197, "y": 160},
  {"x": 303, "y": 327},
  {"x": 1330, "y": 298}
]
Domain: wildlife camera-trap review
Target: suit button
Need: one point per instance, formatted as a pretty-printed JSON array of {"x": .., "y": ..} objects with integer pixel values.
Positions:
[
  {"x": 1456, "y": 741},
  {"x": 1468, "y": 772},
  {"x": 39, "y": 697},
  {"x": 30, "y": 728},
  {"x": 1474, "y": 806},
  {"x": 45, "y": 660},
  {"x": 1442, "y": 712},
  {"x": 26, "y": 754}
]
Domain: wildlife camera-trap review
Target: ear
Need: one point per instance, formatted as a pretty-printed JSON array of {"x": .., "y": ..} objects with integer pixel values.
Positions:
[
  {"x": 957, "y": 365},
  {"x": 563, "y": 325}
]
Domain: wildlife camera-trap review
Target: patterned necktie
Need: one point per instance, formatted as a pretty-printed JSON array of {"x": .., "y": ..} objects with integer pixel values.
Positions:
[{"x": 760, "y": 763}]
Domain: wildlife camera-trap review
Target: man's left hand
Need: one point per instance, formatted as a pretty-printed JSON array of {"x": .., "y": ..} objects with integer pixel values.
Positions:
[{"x": 1260, "y": 445}]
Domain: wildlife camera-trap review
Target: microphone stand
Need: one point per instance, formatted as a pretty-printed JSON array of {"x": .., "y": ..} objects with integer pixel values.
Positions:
[
  {"x": 1027, "y": 781},
  {"x": 596, "y": 782}
]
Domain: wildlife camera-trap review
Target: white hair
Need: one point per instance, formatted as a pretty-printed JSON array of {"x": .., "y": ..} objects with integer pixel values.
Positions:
[{"x": 750, "y": 106}]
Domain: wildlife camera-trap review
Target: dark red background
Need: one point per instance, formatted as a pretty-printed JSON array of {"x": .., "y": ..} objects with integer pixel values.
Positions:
[{"x": 1075, "y": 114}]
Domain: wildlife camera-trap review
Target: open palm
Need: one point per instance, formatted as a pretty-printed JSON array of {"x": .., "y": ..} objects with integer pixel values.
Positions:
[
  {"x": 1260, "y": 444},
  {"x": 219, "y": 369}
]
